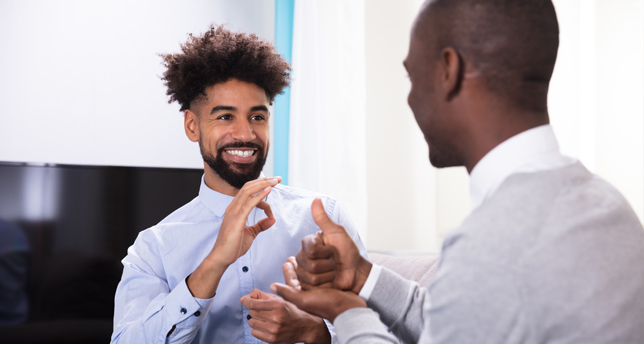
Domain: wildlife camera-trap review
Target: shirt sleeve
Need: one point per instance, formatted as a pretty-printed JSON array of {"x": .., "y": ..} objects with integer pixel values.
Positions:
[
  {"x": 146, "y": 310},
  {"x": 362, "y": 325}
]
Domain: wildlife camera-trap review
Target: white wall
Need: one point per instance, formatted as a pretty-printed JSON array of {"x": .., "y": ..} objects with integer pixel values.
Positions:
[
  {"x": 596, "y": 97},
  {"x": 401, "y": 183},
  {"x": 79, "y": 80}
]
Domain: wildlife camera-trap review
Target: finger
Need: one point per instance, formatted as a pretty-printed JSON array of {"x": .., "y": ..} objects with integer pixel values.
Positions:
[
  {"x": 290, "y": 276},
  {"x": 252, "y": 187},
  {"x": 288, "y": 293},
  {"x": 258, "y": 198},
  {"x": 261, "y": 305},
  {"x": 261, "y": 226},
  {"x": 264, "y": 335},
  {"x": 314, "y": 248},
  {"x": 292, "y": 260},
  {"x": 266, "y": 208},
  {"x": 314, "y": 266},
  {"x": 306, "y": 286},
  {"x": 255, "y": 294},
  {"x": 315, "y": 279},
  {"x": 321, "y": 218}
]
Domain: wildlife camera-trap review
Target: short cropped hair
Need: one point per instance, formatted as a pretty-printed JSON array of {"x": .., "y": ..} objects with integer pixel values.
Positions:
[
  {"x": 512, "y": 43},
  {"x": 217, "y": 56}
]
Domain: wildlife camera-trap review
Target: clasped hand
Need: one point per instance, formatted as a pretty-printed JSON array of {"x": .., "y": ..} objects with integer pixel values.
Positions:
[{"x": 328, "y": 273}]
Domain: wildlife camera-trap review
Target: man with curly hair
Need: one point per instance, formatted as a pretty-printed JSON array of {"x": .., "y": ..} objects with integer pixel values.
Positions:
[{"x": 201, "y": 274}]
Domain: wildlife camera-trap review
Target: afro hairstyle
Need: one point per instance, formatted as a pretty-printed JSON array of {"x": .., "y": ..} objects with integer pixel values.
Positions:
[{"x": 217, "y": 56}]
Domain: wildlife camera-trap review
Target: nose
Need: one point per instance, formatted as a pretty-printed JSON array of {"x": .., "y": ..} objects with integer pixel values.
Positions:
[{"x": 243, "y": 131}]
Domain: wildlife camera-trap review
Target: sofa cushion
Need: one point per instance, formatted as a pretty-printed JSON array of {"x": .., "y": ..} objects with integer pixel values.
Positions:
[{"x": 416, "y": 268}]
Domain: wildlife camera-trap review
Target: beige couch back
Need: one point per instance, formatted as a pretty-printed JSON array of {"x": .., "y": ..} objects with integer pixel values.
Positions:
[{"x": 420, "y": 269}]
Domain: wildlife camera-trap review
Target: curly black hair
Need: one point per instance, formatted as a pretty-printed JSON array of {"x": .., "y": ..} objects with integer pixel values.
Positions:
[{"x": 218, "y": 56}]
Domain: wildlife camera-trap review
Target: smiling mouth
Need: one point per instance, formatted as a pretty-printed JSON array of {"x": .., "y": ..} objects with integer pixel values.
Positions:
[{"x": 241, "y": 153}]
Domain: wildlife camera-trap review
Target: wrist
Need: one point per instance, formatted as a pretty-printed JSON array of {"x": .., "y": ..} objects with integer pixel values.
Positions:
[
  {"x": 203, "y": 282},
  {"x": 214, "y": 265},
  {"x": 317, "y": 333},
  {"x": 362, "y": 273}
]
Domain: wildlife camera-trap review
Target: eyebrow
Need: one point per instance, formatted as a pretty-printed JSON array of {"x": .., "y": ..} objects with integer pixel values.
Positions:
[
  {"x": 223, "y": 108},
  {"x": 259, "y": 108},
  {"x": 232, "y": 108}
]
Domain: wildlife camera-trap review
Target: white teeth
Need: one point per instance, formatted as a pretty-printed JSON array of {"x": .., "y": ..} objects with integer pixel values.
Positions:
[{"x": 242, "y": 153}]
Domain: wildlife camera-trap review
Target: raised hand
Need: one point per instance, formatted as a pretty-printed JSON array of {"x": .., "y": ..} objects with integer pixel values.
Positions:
[
  {"x": 235, "y": 237},
  {"x": 330, "y": 258}
]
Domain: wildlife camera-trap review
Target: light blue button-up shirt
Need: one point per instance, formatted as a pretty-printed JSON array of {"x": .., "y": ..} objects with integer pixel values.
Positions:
[{"x": 152, "y": 296}]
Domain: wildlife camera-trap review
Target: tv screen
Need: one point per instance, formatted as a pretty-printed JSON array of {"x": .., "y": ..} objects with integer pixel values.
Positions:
[{"x": 64, "y": 230}]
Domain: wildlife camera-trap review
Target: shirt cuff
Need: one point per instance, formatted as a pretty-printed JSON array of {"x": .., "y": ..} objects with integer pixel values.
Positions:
[
  {"x": 185, "y": 310},
  {"x": 370, "y": 283},
  {"x": 329, "y": 326}
]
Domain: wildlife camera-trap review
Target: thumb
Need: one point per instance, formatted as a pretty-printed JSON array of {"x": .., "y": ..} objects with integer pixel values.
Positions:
[
  {"x": 255, "y": 294},
  {"x": 287, "y": 292},
  {"x": 321, "y": 218}
]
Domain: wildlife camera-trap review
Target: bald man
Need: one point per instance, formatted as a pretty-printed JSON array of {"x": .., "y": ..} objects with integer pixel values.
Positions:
[{"x": 550, "y": 252}]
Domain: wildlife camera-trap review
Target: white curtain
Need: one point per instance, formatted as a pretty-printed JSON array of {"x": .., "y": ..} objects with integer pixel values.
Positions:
[{"x": 327, "y": 150}]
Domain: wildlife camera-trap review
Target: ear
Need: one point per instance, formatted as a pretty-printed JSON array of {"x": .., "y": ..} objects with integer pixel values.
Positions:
[
  {"x": 452, "y": 72},
  {"x": 191, "y": 125}
]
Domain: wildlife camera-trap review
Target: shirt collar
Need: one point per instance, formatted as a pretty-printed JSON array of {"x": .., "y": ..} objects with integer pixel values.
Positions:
[
  {"x": 214, "y": 200},
  {"x": 533, "y": 150}
]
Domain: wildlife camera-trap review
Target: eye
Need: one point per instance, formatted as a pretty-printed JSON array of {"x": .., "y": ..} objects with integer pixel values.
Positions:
[
  {"x": 225, "y": 117},
  {"x": 258, "y": 118}
]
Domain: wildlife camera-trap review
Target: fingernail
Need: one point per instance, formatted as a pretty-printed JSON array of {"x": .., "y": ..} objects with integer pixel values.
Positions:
[
  {"x": 273, "y": 288},
  {"x": 268, "y": 188}
]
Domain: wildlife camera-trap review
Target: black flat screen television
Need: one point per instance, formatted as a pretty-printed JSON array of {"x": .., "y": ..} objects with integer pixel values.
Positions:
[{"x": 71, "y": 225}]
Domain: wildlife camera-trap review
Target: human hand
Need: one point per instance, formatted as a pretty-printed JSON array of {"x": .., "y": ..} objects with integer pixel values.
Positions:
[
  {"x": 327, "y": 303},
  {"x": 235, "y": 237},
  {"x": 275, "y": 320},
  {"x": 330, "y": 258}
]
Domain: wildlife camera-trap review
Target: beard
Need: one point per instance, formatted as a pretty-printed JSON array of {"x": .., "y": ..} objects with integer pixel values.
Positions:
[{"x": 235, "y": 174}]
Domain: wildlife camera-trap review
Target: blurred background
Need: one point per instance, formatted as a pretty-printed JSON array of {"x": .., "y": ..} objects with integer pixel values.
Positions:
[
  {"x": 79, "y": 84},
  {"x": 91, "y": 152}
]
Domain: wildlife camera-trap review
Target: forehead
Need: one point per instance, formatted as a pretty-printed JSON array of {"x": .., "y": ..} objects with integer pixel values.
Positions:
[{"x": 236, "y": 92}]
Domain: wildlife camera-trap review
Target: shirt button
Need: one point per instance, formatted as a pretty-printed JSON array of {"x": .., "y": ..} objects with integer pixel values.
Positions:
[
  {"x": 197, "y": 313},
  {"x": 245, "y": 269},
  {"x": 184, "y": 311},
  {"x": 248, "y": 317}
]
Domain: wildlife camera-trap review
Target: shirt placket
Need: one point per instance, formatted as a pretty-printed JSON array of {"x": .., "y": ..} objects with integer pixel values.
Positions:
[{"x": 245, "y": 271}]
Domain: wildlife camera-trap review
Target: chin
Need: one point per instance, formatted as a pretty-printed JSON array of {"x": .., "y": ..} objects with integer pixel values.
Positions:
[{"x": 442, "y": 159}]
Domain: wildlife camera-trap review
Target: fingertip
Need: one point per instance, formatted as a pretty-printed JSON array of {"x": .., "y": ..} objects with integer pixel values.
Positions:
[
  {"x": 317, "y": 202},
  {"x": 293, "y": 261},
  {"x": 274, "y": 288}
]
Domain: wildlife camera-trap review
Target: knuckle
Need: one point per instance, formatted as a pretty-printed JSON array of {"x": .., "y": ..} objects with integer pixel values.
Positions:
[{"x": 316, "y": 280}]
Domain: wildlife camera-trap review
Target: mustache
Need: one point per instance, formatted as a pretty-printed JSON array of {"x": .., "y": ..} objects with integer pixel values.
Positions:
[{"x": 240, "y": 144}]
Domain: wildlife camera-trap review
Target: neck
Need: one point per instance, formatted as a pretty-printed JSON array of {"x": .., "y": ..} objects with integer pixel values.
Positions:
[
  {"x": 214, "y": 181},
  {"x": 494, "y": 128}
]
